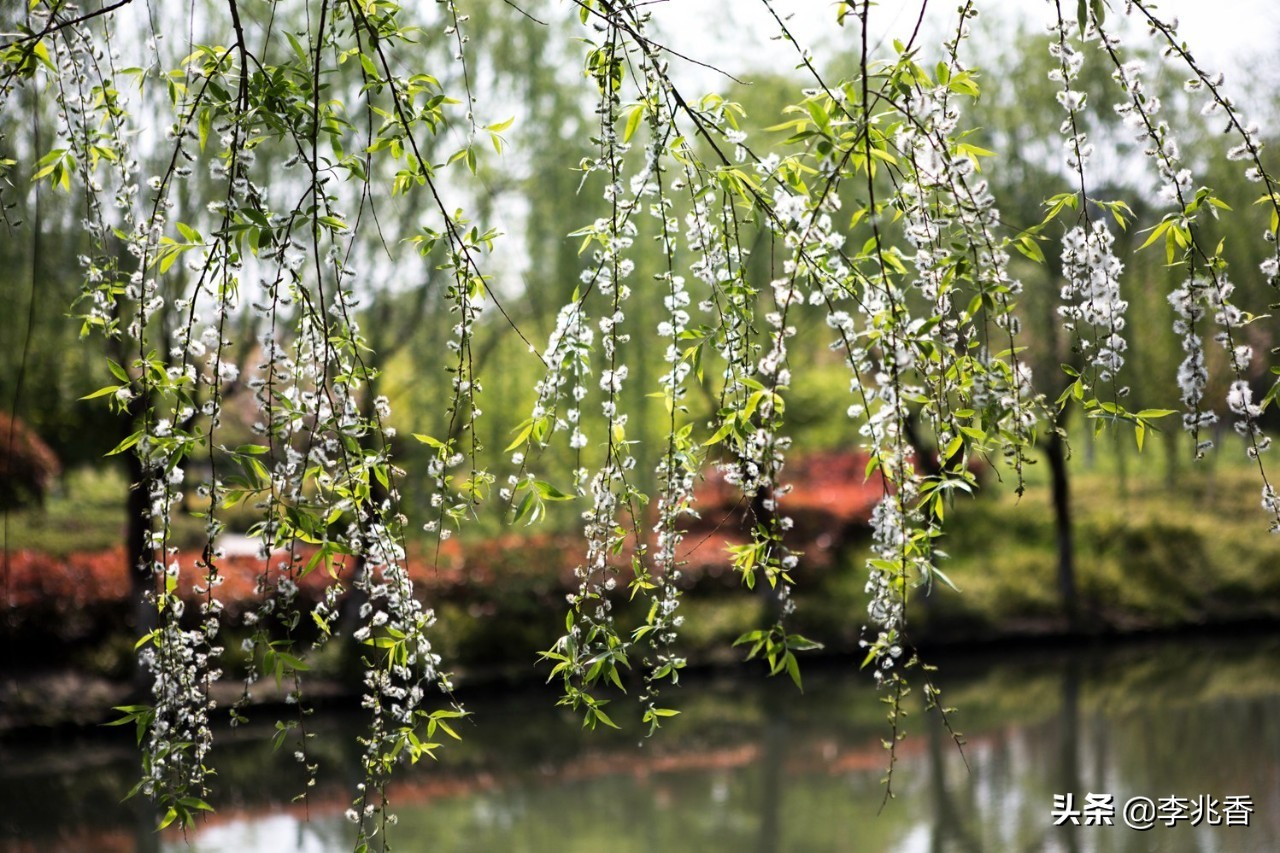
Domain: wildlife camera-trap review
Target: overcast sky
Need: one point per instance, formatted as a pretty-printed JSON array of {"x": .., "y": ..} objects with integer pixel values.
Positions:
[{"x": 1227, "y": 35}]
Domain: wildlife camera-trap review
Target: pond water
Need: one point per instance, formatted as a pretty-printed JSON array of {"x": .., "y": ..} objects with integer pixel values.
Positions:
[{"x": 753, "y": 765}]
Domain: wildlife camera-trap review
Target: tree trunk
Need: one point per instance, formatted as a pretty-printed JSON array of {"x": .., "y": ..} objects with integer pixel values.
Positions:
[
  {"x": 1070, "y": 779},
  {"x": 1055, "y": 450},
  {"x": 931, "y": 465},
  {"x": 138, "y": 549},
  {"x": 1172, "y": 447},
  {"x": 351, "y": 661},
  {"x": 763, "y": 516}
]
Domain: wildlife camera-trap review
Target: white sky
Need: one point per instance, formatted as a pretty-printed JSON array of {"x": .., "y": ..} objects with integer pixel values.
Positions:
[{"x": 1226, "y": 35}]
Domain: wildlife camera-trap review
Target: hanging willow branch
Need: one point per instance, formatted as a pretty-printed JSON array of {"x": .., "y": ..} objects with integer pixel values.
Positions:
[{"x": 872, "y": 219}]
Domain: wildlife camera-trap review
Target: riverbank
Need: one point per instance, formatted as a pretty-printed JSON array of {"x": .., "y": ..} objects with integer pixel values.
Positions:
[{"x": 1152, "y": 557}]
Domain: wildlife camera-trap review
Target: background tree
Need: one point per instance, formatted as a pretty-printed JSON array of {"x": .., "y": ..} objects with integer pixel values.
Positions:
[{"x": 872, "y": 225}]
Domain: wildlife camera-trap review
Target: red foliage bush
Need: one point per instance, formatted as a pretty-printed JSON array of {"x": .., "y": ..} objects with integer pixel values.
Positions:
[{"x": 85, "y": 594}]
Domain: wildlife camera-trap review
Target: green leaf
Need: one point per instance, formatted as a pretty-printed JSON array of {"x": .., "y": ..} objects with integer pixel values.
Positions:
[
  {"x": 727, "y": 428},
  {"x": 633, "y": 122},
  {"x": 1158, "y": 230},
  {"x": 524, "y": 431},
  {"x": 802, "y": 644},
  {"x": 1029, "y": 247},
  {"x": 126, "y": 443},
  {"x": 529, "y": 507},
  {"x": 550, "y": 492},
  {"x": 940, "y": 575},
  {"x": 603, "y": 717},
  {"x": 793, "y": 669},
  {"x": 102, "y": 392}
]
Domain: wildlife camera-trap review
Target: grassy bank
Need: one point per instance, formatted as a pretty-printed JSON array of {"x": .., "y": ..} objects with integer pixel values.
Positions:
[{"x": 1155, "y": 549}]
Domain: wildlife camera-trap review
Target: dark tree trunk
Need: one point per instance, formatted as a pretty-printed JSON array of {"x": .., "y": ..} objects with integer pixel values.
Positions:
[
  {"x": 351, "y": 662},
  {"x": 773, "y": 761},
  {"x": 1069, "y": 775},
  {"x": 926, "y": 460},
  {"x": 932, "y": 465},
  {"x": 1056, "y": 451},
  {"x": 765, "y": 517},
  {"x": 138, "y": 549}
]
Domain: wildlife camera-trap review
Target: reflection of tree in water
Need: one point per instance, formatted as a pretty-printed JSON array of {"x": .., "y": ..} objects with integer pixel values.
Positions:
[
  {"x": 774, "y": 742},
  {"x": 757, "y": 767},
  {"x": 1068, "y": 775},
  {"x": 950, "y": 828}
]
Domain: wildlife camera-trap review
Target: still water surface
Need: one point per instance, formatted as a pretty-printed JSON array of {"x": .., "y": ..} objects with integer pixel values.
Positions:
[{"x": 752, "y": 766}]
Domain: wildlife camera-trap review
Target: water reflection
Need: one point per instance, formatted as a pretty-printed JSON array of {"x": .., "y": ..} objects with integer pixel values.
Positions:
[{"x": 752, "y": 766}]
